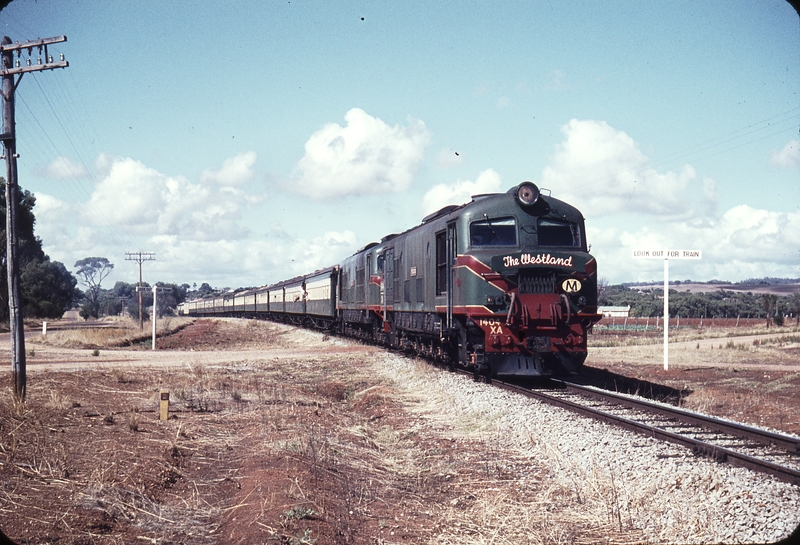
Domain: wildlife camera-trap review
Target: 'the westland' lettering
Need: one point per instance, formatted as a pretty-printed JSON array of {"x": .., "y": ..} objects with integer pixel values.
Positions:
[{"x": 540, "y": 259}]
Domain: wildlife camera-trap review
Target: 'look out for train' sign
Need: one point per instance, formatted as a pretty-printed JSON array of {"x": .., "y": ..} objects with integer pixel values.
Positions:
[
  {"x": 669, "y": 254},
  {"x": 666, "y": 255}
]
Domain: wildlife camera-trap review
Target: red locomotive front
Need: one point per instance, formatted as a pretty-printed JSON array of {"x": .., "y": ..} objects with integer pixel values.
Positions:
[{"x": 524, "y": 285}]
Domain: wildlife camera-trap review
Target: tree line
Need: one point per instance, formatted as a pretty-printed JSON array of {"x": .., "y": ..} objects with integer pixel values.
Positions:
[
  {"x": 716, "y": 304},
  {"x": 48, "y": 289},
  {"x": 123, "y": 297}
]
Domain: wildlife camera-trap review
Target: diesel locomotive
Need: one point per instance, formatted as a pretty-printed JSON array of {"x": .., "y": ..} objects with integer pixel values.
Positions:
[{"x": 503, "y": 285}]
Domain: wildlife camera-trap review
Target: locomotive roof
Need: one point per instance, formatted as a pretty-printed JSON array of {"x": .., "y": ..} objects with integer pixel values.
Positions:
[{"x": 546, "y": 206}]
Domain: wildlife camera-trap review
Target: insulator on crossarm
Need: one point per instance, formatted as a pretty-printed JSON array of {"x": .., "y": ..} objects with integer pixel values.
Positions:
[
  {"x": 62, "y": 57},
  {"x": 17, "y": 63},
  {"x": 28, "y": 61},
  {"x": 49, "y": 58},
  {"x": 40, "y": 60}
]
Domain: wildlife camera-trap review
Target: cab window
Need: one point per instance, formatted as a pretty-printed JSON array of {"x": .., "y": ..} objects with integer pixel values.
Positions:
[
  {"x": 558, "y": 233},
  {"x": 493, "y": 232}
]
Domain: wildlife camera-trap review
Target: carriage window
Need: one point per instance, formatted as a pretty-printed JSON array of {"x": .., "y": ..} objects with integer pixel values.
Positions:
[
  {"x": 493, "y": 232},
  {"x": 559, "y": 233}
]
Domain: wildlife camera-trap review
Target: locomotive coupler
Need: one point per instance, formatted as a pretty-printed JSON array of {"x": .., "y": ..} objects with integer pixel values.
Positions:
[{"x": 538, "y": 344}]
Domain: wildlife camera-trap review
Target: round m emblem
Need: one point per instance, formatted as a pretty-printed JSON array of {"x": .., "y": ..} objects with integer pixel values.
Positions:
[{"x": 571, "y": 285}]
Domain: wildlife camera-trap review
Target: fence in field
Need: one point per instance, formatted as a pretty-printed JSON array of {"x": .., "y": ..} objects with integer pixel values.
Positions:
[{"x": 639, "y": 323}]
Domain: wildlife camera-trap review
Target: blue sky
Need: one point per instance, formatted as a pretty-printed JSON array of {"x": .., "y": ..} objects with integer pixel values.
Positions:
[{"x": 249, "y": 141}]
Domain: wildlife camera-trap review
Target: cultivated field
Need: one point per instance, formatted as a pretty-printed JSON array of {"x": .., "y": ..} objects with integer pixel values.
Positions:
[{"x": 284, "y": 436}]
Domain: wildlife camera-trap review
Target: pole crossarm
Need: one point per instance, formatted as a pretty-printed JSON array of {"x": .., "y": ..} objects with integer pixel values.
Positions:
[
  {"x": 40, "y": 45},
  {"x": 159, "y": 289},
  {"x": 140, "y": 257},
  {"x": 29, "y": 45},
  {"x": 34, "y": 68}
]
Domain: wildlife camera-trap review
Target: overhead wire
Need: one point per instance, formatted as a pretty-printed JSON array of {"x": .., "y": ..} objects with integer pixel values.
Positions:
[
  {"x": 38, "y": 131},
  {"x": 71, "y": 116},
  {"x": 117, "y": 234},
  {"x": 731, "y": 136}
]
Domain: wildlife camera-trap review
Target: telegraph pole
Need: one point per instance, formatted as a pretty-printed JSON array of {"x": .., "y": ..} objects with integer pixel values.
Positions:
[
  {"x": 9, "y": 138},
  {"x": 140, "y": 257}
]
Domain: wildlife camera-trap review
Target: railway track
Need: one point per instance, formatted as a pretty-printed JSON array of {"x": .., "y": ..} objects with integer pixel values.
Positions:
[{"x": 724, "y": 441}]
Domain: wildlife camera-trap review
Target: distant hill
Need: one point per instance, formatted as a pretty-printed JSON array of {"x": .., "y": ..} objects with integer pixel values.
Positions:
[{"x": 778, "y": 286}]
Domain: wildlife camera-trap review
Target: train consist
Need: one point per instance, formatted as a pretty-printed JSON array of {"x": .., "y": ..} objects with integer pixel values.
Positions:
[{"x": 503, "y": 285}]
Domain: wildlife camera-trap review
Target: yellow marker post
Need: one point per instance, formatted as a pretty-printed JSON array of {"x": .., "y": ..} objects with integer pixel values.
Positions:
[{"x": 164, "y": 412}]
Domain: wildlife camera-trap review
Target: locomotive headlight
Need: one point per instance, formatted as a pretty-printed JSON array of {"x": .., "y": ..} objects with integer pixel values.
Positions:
[{"x": 527, "y": 193}]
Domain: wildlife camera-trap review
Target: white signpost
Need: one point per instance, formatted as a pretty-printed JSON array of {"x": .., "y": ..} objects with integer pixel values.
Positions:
[
  {"x": 156, "y": 290},
  {"x": 666, "y": 255}
]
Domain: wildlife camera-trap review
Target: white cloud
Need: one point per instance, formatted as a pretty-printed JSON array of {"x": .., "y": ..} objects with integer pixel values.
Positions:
[
  {"x": 103, "y": 163},
  {"x": 259, "y": 260},
  {"x": 789, "y": 156},
  {"x": 322, "y": 251},
  {"x": 235, "y": 171},
  {"x": 744, "y": 242},
  {"x": 366, "y": 156},
  {"x": 602, "y": 171},
  {"x": 48, "y": 204},
  {"x": 196, "y": 230},
  {"x": 460, "y": 191},
  {"x": 62, "y": 168},
  {"x": 630, "y": 205},
  {"x": 143, "y": 201}
]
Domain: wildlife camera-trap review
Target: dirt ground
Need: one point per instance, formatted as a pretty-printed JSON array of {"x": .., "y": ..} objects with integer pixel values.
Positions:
[{"x": 287, "y": 437}]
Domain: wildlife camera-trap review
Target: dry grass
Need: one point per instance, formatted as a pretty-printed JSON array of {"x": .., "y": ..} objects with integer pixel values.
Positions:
[
  {"x": 698, "y": 351},
  {"x": 613, "y": 338},
  {"x": 113, "y": 332},
  {"x": 318, "y": 449},
  {"x": 334, "y": 448}
]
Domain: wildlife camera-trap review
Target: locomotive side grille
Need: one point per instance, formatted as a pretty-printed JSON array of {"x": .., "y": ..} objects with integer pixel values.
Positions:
[{"x": 531, "y": 282}]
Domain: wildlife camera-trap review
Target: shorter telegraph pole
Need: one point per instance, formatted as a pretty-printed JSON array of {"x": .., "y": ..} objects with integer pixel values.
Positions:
[
  {"x": 140, "y": 257},
  {"x": 666, "y": 255}
]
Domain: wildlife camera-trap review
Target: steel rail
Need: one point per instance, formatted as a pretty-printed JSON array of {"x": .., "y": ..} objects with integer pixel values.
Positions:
[
  {"x": 699, "y": 447},
  {"x": 764, "y": 437}
]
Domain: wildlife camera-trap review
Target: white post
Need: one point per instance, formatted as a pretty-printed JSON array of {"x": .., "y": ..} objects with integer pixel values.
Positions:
[
  {"x": 666, "y": 254},
  {"x": 155, "y": 291},
  {"x": 666, "y": 312},
  {"x": 44, "y": 329}
]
